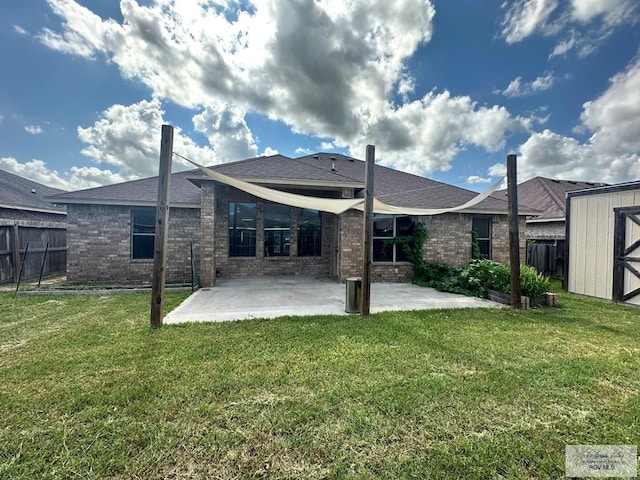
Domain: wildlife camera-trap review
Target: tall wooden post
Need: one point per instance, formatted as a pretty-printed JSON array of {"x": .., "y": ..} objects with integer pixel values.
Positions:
[
  {"x": 514, "y": 236},
  {"x": 15, "y": 244},
  {"x": 162, "y": 227},
  {"x": 367, "y": 244}
]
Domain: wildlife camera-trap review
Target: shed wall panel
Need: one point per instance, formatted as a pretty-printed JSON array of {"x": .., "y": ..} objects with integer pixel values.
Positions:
[{"x": 591, "y": 231}]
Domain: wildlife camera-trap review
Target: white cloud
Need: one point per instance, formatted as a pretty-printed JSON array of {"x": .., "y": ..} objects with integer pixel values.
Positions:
[
  {"x": 77, "y": 178},
  {"x": 613, "y": 12},
  {"x": 426, "y": 134},
  {"x": 269, "y": 152},
  {"x": 19, "y": 30},
  {"x": 227, "y": 131},
  {"x": 127, "y": 138},
  {"x": 474, "y": 179},
  {"x": 582, "y": 25},
  {"x": 517, "y": 88},
  {"x": 329, "y": 69},
  {"x": 497, "y": 170},
  {"x": 525, "y": 17},
  {"x": 611, "y": 154},
  {"x": 615, "y": 115},
  {"x": 33, "y": 129},
  {"x": 327, "y": 146}
]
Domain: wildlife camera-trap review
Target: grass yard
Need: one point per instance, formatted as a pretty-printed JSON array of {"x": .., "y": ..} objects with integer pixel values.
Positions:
[{"x": 87, "y": 390}]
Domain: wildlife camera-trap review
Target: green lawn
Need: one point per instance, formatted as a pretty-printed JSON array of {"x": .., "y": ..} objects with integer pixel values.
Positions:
[{"x": 87, "y": 390}]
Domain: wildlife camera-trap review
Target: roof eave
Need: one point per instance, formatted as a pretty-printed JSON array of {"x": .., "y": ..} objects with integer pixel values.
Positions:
[
  {"x": 285, "y": 182},
  {"x": 124, "y": 203},
  {"x": 33, "y": 209},
  {"x": 546, "y": 220}
]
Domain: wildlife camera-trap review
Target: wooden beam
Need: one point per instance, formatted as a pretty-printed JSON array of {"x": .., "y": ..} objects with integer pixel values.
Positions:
[
  {"x": 15, "y": 244},
  {"x": 367, "y": 243},
  {"x": 514, "y": 235},
  {"x": 162, "y": 227}
]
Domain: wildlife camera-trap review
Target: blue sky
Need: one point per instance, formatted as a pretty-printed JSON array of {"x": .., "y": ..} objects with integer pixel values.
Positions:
[{"x": 444, "y": 89}]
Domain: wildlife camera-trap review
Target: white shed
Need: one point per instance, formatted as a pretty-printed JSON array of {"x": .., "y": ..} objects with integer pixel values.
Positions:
[{"x": 603, "y": 242}]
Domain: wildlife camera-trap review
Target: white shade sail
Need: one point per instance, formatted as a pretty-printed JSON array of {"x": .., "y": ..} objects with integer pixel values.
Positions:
[{"x": 334, "y": 205}]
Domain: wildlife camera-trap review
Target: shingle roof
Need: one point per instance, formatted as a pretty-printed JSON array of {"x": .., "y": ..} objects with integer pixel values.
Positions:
[
  {"x": 546, "y": 195},
  {"x": 323, "y": 169},
  {"x": 137, "y": 191},
  {"x": 23, "y": 194}
]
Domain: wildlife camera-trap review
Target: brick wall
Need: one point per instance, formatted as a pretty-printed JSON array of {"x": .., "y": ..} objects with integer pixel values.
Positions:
[
  {"x": 450, "y": 238},
  {"x": 207, "y": 227},
  {"x": 99, "y": 242},
  {"x": 500, "y": 239},
  {"x": 262, "y": 265},
  {"x": 8, "y": 215},
  {"x": 99, "y": 245},
  {"x": 546, "y": 231}
]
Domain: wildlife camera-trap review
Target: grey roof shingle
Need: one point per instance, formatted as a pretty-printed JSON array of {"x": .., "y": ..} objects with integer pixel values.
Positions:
[
  {"x": 546, "y": 195},
  {"x": 392, "y": 186},
  {"x": 23, "y": 194},
  {"x": 144, "y": 190}
]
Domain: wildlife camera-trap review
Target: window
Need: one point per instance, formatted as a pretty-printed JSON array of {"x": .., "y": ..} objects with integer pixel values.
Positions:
[
  {"x": 277, "y": 230},
  {"x": 481, "y": 226},
  {"x": 385, "y": 229},
  {"x": 309, "y": 233},
  {"x": 242, "y": 229},
  {"x": 143, "y": 233}
]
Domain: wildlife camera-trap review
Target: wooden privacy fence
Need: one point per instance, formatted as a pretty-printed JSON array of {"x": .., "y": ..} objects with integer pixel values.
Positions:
[
  {"x": 46, "y": 255},
  {"x": 547, "y": 258}
]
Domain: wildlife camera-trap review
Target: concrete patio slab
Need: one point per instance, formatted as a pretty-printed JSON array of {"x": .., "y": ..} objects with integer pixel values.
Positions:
[{"x": 270, "y": 297}]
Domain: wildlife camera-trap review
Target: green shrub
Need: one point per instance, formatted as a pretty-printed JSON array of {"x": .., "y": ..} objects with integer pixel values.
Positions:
[
  {"x": 483, "y": 275},
  {"x": 533, "y": 283},
  {"x": 480, "y": 276},
  {"x": 442, "y": 277}
]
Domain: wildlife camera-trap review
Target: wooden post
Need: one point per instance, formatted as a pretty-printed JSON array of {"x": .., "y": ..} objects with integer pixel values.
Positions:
[
  {"x": 162, "y": 227},
  {"x": 514, "y": 236},
  {"x": 15, "y": 244},
  {"x": 367, "y": 243}
]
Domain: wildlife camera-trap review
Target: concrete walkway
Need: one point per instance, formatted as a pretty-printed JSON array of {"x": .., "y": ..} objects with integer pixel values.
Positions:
[{"x": 270, "y": 297}]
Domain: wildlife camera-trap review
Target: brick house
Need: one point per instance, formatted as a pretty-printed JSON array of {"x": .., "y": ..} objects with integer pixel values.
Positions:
[
  {"x": 546, "y": 229},
  {"x": 235, "y": 234},
  {"x": 30, "y": 223}
]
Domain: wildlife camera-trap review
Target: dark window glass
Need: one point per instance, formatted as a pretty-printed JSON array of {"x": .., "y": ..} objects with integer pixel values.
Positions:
[
  {"x": 309, "y": 233},
  {"x": 242, "y": 229},
  {"x": 143, "y": 229},
  {"x": 382, "y": 250},
  {"x": 482, "y": 227},
  {"x": 277, "y": 230},
  {"x": 385, "y": 228}
]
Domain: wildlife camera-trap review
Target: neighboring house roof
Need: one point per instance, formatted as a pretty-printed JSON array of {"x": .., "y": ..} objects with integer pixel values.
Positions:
[
  {"x": 320, "y": 170},
  {"x": 547, "y": 195},
  {"x": 18, "y": 193}
]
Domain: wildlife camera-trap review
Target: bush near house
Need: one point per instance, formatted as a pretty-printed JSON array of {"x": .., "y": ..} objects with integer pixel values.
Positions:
[{"x": 480, "y": 276}]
